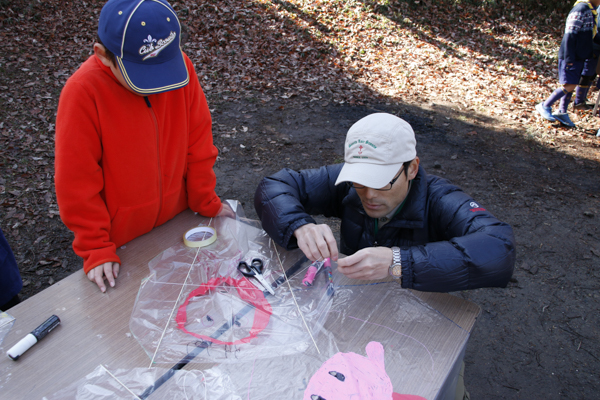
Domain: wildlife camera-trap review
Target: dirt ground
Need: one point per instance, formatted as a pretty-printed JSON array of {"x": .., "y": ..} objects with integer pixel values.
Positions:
[{"x": 537, "y": 338}]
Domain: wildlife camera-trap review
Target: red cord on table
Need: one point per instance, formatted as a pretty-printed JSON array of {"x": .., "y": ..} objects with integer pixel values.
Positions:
[{"x": 247, "y": 292}]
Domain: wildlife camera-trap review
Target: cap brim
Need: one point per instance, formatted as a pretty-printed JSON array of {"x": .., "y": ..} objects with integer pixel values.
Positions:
[
  {"x": 155, "y": 78},
  {"x": 370, "y": 175}
]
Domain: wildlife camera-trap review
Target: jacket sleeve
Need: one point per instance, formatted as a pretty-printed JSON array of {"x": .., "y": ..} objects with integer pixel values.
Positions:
[
  {"x": 79, "y": 179},
  {"x": 284, "y": 201},
  {"x": 474, "y": 249},
  {"x": 202, "y": 154}
]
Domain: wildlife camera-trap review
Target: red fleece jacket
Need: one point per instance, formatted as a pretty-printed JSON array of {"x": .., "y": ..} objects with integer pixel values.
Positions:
[{"x": 125, "y": 164}]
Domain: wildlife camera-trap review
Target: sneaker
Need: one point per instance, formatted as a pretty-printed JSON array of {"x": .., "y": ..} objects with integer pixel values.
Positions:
[
  {"x": 583, "y": 106},
  {"x": 564, "y": 119},
  {"x": 545, "y": 112}
]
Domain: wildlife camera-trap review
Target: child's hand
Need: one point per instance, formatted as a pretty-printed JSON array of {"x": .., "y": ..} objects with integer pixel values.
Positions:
[
  {"x": 108, "y": 271},
  {"x": 226, "y": 211}
]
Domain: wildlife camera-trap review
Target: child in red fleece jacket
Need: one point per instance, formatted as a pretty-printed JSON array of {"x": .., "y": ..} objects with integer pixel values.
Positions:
[{"x": 133, "y": 136}]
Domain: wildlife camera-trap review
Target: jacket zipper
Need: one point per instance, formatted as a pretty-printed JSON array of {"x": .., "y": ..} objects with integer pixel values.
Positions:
[{"x": 157, "y": 158}]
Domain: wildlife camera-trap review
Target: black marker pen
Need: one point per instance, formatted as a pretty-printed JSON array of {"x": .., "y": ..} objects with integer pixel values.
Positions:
[{"x": 38, "y": 334}]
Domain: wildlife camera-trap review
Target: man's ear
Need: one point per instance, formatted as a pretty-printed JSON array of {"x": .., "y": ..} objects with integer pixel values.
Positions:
[
  {"x": 100, "y": 52},
  {"x": 413, "y": 168}
]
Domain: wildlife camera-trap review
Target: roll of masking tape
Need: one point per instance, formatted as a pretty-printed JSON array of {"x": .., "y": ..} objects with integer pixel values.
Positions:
[{"x": 200, "y": 236}]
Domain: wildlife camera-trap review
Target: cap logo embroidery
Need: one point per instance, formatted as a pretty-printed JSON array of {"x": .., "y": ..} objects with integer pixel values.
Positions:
[
  {"x": 154, "y": 47},
  {"x": 362, "y": 141}
]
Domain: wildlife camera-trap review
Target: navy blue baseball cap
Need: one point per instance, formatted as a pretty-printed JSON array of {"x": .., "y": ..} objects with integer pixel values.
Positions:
[{"x": 144, "y": 35}]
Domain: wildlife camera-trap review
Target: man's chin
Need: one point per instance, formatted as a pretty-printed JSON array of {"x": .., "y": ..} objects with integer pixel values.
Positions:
[{"x": 375, "y": 213}]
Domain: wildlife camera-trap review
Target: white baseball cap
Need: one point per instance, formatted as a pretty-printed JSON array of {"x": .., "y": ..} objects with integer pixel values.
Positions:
[{"x": 375, "y": 149}]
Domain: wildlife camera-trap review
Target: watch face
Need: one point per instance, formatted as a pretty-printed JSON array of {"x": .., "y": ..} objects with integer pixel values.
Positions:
[{"x": 396, "y": 270}]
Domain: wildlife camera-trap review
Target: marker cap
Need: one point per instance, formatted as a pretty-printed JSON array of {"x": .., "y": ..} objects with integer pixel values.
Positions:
[{"x": 22, "y": 346}]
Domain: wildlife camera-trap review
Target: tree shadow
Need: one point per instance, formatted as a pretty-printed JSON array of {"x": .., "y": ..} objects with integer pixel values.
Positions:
[
  {"x": 478, "y": 33},
  {"x": 275, "y": 49}
]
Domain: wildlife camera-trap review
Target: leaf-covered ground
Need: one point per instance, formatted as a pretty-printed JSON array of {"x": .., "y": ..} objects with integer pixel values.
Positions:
[{"x": 286, "y": 79}]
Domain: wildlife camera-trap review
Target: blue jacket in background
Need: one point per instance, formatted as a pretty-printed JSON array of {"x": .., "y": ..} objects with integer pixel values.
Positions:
[
  {"x": 447, "y": 240},
  {"x": 578, "y": 41},
  {"x": 10, "y": 278}
]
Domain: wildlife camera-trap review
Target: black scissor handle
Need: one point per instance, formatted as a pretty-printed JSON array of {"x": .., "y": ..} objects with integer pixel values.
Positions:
[
  {"x": 245, "y": 269},
  {"x": 257, "y": 264}
]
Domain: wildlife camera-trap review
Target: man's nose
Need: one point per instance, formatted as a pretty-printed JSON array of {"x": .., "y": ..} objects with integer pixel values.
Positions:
[{"x": 370, "y": 193}]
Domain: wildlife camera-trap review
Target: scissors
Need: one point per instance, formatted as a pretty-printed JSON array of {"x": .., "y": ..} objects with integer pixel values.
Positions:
[{"x": 254, "y": 270}]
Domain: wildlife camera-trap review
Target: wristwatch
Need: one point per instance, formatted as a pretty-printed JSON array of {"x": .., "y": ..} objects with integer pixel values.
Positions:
[{"x": 396, "y": 267}]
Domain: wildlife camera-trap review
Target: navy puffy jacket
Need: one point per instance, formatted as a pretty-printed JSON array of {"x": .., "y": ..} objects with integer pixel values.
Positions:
[{"x": 447, "y": 240}]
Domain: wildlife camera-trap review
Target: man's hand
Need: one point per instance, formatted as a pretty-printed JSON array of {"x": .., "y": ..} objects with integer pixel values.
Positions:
[
  {"x": 368, "y": 264},
  {"x": 108, "y": 271},
  {"x": 226, "y": 211},
  {"x": 317, "y": 242}
]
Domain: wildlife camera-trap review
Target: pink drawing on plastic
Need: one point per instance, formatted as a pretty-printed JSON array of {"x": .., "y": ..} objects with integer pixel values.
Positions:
[{"x": 352, "y": 376}]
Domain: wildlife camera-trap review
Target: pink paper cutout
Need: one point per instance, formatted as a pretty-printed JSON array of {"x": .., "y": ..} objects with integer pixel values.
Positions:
[{"x": 352, "y": 376}]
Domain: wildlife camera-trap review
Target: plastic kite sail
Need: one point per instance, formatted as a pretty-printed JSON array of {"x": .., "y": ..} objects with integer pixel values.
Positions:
[{"x": 196, "y": 302}]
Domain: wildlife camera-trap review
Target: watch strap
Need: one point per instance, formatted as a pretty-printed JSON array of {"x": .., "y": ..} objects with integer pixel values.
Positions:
[{"x": 396, "y": 267}]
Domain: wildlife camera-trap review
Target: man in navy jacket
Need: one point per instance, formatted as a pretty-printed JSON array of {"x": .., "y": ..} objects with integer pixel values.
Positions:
[{"x": 395, "y": 219}]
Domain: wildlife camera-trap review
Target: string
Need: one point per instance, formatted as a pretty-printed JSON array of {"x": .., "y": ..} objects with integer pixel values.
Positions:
[
  {"x": 205, "y": 383},
  {"x": 294, "y": 297},
  {"x": 120, "y": 383},
  {"x": 175, "y": 304}
]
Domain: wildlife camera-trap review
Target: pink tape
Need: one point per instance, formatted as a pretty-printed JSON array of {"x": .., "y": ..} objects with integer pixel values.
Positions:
[{"x": 310, "y": 276}]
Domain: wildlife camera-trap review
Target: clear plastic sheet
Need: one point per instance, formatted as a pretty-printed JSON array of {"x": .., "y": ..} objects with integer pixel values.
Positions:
[
  {"x": 411, "y": 332},
  {"x": 6, "y": 323},
  {"x": 227, "y": 321},
  {"x": 209, "y": 384}
]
